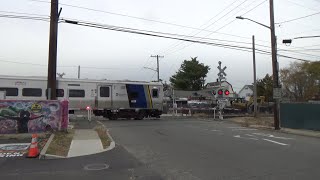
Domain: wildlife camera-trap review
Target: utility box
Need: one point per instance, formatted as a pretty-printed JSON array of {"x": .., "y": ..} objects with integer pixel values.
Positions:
[{"x": 2, "y": 95}]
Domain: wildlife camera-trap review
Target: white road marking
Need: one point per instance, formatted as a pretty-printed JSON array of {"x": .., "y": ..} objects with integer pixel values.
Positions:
[
  {"x": 271, "y": 136},
  {"x": 236, "y": 127},
  {"x": 251, "y": 135},
  {"x": 215, "y": 130},
  {"x": 247, "y": 129},
  {"x": 276, "y": 142},
  {"x": 238, "y": 136}
]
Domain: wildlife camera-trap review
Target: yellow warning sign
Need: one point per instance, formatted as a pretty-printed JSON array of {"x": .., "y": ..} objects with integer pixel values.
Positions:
[{"x": 36, "y": 107}]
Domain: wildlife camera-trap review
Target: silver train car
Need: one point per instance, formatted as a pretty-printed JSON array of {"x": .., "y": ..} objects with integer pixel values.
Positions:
[{"x": 110, "y": 99}]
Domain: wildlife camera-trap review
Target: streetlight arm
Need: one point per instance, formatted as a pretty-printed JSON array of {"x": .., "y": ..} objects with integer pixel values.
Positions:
[
  {"x": 150, "y": 69},
  {"x": 258, "y": 23}
]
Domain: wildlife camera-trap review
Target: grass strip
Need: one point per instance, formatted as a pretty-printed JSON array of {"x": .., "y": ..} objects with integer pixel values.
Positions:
[
  {"x": 61, "y": 143},
  {"x": 102, "y": 132}
]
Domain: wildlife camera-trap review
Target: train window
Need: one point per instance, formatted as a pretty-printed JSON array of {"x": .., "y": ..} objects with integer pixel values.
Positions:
[
  {"x": 59, "y": 92},
  {"x": 155, "y": 93},
  {"x": 104, "y": 91},
  {"x": 76, "y": 93},
  {"x": 10, "y": 91},
  {"x": 32, "y": 92},
  {"x": 133, "y": 95}
]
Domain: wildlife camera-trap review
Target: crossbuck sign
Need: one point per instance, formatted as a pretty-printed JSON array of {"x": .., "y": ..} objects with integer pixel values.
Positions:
[{"x": 221, "y": 73}]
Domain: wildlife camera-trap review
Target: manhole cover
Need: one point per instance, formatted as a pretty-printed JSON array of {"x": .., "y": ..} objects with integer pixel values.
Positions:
[{"x": 96, "y": 167}]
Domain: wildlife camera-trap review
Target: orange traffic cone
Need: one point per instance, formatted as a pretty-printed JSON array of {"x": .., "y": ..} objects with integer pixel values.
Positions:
[{"x": 33, "y": 150}]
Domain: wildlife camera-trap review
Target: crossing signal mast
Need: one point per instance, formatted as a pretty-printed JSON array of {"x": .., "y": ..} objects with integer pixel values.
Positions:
[{"x": 222, "y": 91}]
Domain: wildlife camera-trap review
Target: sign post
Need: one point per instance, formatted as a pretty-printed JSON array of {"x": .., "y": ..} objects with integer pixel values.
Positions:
[{"x": 89, "y": 112}]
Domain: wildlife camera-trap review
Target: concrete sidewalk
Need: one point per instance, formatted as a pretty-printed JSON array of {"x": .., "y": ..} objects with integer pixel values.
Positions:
[{"x": 85, "y": 142}]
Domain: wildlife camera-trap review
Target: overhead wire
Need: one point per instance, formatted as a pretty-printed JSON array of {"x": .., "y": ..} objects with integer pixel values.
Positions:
[
  {"x": 166, "y": 33},
  {"x": 44, "y": 65},
  {"x": 23, "y": 13},
  {"x": 301, "y": 5},
  {"x": 114, "y": 28},
  {"x": 223, "y": 26},
  {"x": 144, "y": 19},
  {"x": 25, "y": 17},
  {"x": 295, "y": 19},
  {"x": 195, "y": 33}
]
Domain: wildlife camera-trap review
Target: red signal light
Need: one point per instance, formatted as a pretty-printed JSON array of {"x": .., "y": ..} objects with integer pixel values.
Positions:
[
  {"x": 220, "y": 92},
  {"x": 226, "y": 92}
]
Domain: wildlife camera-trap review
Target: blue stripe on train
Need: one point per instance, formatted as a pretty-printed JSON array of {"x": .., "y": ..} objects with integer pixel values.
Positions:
[{"x": 136, "y": 96}]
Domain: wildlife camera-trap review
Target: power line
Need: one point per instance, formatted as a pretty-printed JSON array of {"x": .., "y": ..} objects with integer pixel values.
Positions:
[
  {"x": 299, "y": 18},
  {"x": 223, "y": 26},
  {"x": 23, "y": 13},
  {"x": 304, "y": 37},
  {"x": 300, "y": 53},
  {"x": 300, "y": 5},
  {"x": 43, "y": 65},
  {"x": 24, "y": 17},
  {"x": 140, "y": 18},
  {"x": 178, "y": 43},
  {"x": 228, "y": 46}
]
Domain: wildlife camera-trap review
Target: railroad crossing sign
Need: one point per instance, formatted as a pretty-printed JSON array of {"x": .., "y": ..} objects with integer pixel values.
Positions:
[{"x": 221, "y": 73}]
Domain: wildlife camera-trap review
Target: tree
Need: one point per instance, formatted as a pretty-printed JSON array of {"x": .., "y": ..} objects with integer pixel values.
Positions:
[
  {"x": 301, "y": 80},
  {"x": 191, "y": 75},
  {"x": 265, "y": 87}
]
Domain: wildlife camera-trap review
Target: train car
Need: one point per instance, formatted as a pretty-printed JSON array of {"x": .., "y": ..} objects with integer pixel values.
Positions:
[{"x": 110, "y": 99}]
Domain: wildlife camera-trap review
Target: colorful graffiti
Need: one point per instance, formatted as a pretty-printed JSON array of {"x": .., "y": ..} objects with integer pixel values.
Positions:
[{"x": 32, "y": 116}]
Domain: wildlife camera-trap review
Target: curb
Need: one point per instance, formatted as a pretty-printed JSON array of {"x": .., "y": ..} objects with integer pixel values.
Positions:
[
  {"x": 288, "y": 131},
  {"x": 112, "y": 143},
  {"x": 308, "y": 133},
  {"x": 45, "y": 148},
  {"x": 50, "y": 156}
]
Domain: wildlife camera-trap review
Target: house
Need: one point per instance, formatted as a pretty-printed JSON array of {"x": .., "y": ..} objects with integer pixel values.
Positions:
[
  {"x": 223, "y": 85},
  {"x": 246, "y": 91}
]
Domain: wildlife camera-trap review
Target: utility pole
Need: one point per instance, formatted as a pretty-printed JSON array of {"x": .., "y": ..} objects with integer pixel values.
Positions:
[
  {"x": 254, "y": 78},
  {"x": 275, "y": 68},
  {"x": 79, "y": 72},
  {"x": 52, "y": 59},
  {"x": 158, "y": 71}
]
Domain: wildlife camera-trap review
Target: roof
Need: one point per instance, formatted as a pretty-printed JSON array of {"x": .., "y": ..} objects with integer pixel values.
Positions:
[
  {"x": 186, "y": 94},
  {"x": 249, "y": 86},
  {"x": 216, "y": 83},
  {"x": 43, "y": 78},
  {"x": 213, "y": 84}
]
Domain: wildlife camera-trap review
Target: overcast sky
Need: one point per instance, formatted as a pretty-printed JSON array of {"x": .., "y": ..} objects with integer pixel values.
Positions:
[{"x": 124, "y": 55}]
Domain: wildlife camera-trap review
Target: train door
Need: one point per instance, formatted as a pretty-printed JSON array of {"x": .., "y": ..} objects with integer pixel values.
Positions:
[
  {"x": 104, "y": 96},
  {"x": 137, "y": 95}
]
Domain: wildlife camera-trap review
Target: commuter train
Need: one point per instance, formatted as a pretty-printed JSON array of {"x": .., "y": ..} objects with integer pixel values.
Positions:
[{"x": 107, "y": 98}]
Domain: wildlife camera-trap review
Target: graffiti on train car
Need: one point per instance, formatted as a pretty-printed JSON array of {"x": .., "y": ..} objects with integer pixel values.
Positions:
[{"x": 32, "y": 116}]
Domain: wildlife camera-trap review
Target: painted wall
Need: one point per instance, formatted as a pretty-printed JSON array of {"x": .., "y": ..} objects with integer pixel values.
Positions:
[{"x": 25, "y": 116}]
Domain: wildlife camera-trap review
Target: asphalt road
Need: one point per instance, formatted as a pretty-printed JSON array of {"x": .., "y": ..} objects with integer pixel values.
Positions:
[
  {"x": 181, "y": 150},
  {"x": 199, "y": 149}
]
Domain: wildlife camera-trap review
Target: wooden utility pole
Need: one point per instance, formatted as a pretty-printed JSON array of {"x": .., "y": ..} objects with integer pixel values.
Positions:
[
  {"x": 254, "y": 79},
  {"x": 158, "y": 70},
  {"x": 275, "y": 69},
  {"x": 52, "y": 59}
]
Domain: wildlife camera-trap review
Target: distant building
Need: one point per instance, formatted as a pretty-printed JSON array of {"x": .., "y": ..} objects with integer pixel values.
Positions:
[
  {"x": 224, "y": 85},
  {"x": 246, "y": 91}
]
